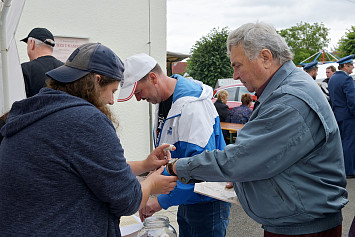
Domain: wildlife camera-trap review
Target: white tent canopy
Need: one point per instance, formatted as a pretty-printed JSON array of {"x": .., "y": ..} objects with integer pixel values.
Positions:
[{"x": 12, "y": 86}]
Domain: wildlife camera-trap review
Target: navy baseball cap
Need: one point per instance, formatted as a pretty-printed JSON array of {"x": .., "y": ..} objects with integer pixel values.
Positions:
[
  {"x": 90, "y": 57},
  {"x": 347, "y": 59},
  {"x": 310, "y": 65},
  {"x": 41, "y": 34}
]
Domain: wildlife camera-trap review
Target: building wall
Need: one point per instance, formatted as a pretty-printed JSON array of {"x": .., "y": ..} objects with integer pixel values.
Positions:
[
  {"x": 125, "y": 26},
  {"x": 179, "y": 68}
]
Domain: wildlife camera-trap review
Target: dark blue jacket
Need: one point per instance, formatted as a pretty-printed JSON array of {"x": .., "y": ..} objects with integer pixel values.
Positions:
[
  {"x": 342, "y": 96},
  {"x": 62, "y": 170}
]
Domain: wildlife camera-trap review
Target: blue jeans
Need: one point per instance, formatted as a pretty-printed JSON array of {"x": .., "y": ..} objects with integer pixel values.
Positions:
[{"x": 203, "y": 219}]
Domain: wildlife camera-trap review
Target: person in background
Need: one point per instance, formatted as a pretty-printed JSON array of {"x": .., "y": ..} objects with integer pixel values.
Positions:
[
  {"x": 312, "y": 69},
  {"x": 186, "y": 118},
  {"x": 287, "y": 164},
  {"x": 40, "y": 43},
  {"x": 242, "y": 113},
  {"x": 62, "y": 166},
  {"x": 352, "y": 229},
  {"x": 342, "y": 96},
  {"x": 223, "y": 110},
  {"x": 329, "y": 72},
  {"x": 324, "y": 84},
  {"x": 221, "y": 105}
]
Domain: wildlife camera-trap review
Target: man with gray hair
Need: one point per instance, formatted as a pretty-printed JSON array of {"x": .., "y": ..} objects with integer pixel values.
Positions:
[
  {"x": 40, "y": 43},
  {"x": 287, "y": 162}
]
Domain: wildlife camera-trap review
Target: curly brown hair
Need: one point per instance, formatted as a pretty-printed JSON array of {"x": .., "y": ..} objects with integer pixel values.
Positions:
[
  {"x": 246, "y": 99},
  {"x": 88, "y": 89}
]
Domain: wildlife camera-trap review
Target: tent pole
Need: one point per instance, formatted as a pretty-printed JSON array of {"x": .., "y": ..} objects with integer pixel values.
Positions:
[{"x": 4, "y": 53}]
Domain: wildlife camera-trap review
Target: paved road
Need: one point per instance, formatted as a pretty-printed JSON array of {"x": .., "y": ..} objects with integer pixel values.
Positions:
[{"x": 242, "y": 225}]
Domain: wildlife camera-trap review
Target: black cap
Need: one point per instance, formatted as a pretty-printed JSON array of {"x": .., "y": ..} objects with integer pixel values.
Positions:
[{"x": 41, "y": 34}]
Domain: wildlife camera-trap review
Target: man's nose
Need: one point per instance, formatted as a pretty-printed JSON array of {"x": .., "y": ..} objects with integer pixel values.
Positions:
[{"x": 236, "y": 75}]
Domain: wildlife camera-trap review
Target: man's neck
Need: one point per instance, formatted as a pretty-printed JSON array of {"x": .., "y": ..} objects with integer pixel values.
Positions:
[
  {"x": 169, "y": 87},
  {"x": 40, "y": 51}
]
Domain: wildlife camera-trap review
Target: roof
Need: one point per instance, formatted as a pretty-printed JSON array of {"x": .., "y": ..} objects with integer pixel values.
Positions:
[{"x": 175, "y": 57}]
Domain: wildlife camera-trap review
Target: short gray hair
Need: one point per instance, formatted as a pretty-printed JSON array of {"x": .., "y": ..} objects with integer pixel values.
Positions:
[
  {"x": 39, "y": 42},
  {"x": 258, "y": 36}
]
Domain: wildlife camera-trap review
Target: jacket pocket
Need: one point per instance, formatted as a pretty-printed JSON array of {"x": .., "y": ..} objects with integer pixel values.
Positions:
[{"x": 268, "y": 200}]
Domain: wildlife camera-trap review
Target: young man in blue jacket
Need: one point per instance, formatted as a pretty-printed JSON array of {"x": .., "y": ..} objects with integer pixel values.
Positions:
[
  {"x": 287, "y": 164},
  {"x": 185, "y": 117}
]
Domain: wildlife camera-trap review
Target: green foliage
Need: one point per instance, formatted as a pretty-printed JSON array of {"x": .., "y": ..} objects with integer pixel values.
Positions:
[
  {"x": 305, "y": 39},
  {"x": 347, "y": 43},
  {"x": 209, "y": 61}
]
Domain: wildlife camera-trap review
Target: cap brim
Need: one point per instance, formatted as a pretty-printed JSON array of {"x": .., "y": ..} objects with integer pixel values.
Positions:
[
  {"x": 66, "y": 74},
  {"x": 24, "y": 39},
  {"x": 126, "y": 93}
]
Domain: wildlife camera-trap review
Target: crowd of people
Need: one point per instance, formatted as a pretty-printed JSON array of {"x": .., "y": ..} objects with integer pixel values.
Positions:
[{"x": 63, "y": 170}]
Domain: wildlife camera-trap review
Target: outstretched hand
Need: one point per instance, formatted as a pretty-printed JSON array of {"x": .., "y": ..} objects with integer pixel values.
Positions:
[
  {"x": 150, "y": 208},
  {"x": 160, "y": 156}
]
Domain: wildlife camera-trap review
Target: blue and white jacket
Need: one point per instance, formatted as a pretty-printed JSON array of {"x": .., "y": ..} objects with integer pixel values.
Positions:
[{"x": 192, "y": 125}]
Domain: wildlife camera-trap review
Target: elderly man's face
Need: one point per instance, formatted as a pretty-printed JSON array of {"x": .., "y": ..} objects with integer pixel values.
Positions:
[{"x": 249, "y": 72}]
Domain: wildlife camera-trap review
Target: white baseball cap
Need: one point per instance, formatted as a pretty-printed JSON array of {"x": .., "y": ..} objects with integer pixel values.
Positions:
[{"x": 136, "y": 67}]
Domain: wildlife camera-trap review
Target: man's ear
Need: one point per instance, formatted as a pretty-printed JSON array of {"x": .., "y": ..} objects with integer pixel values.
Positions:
[
  {"x": 153, "y": 77},
  {"x": 32, "y": 44},
  {"x": 98, "y": 78},
  {"x": 266, "y": 58}
]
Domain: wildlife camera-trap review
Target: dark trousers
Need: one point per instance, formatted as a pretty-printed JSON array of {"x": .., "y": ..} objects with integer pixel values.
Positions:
[
  {"x": 207, "y": 219},
  {"x": 334, "y": 232}
]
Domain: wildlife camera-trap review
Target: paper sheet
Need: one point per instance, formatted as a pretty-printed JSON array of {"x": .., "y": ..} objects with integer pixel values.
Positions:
[
  {"x": 130, "y": 225},
  {"x": 217, "y": 190}
]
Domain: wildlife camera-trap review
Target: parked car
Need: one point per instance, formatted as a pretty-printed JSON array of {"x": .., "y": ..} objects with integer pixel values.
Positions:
[{"x": 235, "y": 94}]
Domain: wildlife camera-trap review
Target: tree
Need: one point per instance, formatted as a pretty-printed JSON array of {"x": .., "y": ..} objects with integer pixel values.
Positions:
[
  {"x": 209, "y": 61},
  {"x": 347, "y": 43},
  {"x": 305, "y": 39}
]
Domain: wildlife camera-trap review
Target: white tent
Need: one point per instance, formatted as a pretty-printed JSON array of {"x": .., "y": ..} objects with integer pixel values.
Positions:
[
  {"x": 322, "y": 68},
  {"x": 12, "y": 87}
]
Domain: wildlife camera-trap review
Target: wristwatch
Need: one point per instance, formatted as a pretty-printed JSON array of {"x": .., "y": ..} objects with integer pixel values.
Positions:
[{"x": 170, "y": 166}]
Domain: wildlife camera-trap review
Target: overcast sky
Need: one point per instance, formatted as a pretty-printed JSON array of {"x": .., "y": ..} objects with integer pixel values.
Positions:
[{"x": 189, "y": 20}]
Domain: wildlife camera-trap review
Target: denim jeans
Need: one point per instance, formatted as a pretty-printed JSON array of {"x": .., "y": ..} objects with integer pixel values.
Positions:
[{"x": 203, "y": 219}]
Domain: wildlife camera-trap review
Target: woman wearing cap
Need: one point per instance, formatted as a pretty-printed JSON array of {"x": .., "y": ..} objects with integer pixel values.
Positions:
[{"x": 62, "y": 167}]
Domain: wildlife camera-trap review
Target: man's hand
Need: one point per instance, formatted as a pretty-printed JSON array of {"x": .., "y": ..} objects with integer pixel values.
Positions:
[
  {"x": 150, "y": 208},
  {"x": 159, "y": 157}
]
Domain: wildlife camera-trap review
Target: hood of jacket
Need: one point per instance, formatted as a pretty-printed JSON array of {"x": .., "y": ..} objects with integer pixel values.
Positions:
[
  {"x": 28, "y": 111},
  {"x": 187, "y": 91}
]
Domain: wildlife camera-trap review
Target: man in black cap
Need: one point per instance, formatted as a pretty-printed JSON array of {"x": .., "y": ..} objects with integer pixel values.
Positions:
[{"x": 40, "y": 43}]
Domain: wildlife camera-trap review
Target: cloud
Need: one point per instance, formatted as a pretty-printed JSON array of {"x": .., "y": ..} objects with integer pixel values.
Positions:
[{"x": 189, "y": 20}]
